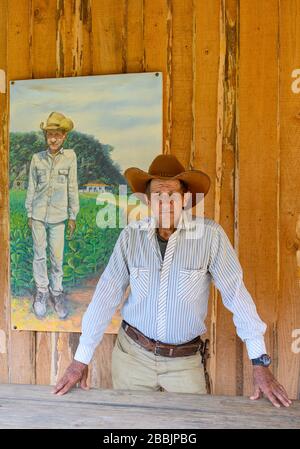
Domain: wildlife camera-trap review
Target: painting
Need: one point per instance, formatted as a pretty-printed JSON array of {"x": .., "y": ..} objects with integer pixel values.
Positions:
[{"x": 71, "y": 139}]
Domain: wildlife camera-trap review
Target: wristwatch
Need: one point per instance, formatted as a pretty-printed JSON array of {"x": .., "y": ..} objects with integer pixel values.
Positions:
[{"x": 263, "y": 360}]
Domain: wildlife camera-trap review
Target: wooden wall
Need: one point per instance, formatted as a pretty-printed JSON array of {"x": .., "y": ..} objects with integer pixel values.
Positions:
[{"x": 230, "y": 109}]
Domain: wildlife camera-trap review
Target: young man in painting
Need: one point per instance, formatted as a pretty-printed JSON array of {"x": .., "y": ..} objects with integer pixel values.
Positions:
[
  {"x": 169, "y": 264},
  {"x": 52, "y": 198}
]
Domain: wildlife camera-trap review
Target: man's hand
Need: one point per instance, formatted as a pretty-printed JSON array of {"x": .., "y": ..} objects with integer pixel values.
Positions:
[
  {"x": 265, "y": 382},
  {"x": 30, "y": 222},
  {"x": 76, "y": 372},
  {"x": 71, "y": 227}
]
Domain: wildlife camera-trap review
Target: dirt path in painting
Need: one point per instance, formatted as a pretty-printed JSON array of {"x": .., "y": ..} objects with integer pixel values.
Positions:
[{"x": 23, "y": 317}]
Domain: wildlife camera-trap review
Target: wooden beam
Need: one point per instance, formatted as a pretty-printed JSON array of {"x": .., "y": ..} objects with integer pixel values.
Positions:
[
  {"x": 289, "y": 199},
  {"x": 258, "y": 164}
]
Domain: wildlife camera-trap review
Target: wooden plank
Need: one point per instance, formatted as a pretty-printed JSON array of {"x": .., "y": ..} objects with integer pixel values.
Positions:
[
  {"x": 100, "y": 375},
  {"x": 157, "y": 48},
  {"x": 4, "y": 237},
  {"x": 206, "y": 62},
  {"x": 206, "y": 49},
  {"x": 73, "y": 38},
  {"x": 21, "y": 343},
  {"x": 182, "y": 80},
  {"x": 42, "y": 38},
  {"x": 258, "y": 163},
  {"x": 289, "y": 201},
  {"x": 133, "y": 34},
  {"x": 34, "y": 406},
  {"x": 225, "y": 365},
  {"x": 107, "y": 36}
]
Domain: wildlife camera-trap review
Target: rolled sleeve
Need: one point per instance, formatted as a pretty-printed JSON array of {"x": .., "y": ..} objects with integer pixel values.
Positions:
[
  {"x": 227, "y": 276},
  {"x": 109, "y": 292}
]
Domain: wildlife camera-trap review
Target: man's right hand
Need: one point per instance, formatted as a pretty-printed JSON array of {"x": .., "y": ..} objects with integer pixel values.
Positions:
[
  {"x": 30, "y": 222},
  {"x": 76, "y": 372}
]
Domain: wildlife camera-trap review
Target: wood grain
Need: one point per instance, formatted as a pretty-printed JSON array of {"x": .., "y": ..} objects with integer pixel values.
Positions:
[
  {"x": 258, "y": 163},
  {"x": 35, "y": 407},
  {"x": 223, "y": 333},
  {"x": 289, "y": 200},
  {"x": 182, "y": 80}
]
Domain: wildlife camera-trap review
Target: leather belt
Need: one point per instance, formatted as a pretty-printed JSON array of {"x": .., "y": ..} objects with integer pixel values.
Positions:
[{"x": 164, "y": 349}]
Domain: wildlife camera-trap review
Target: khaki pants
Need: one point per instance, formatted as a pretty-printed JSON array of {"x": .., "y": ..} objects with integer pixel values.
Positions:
[{"x": 134, "y": 368}]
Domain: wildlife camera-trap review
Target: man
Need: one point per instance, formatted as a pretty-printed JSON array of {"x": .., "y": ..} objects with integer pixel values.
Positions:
[
  {"x": 52, "y": 198},
  {"x": 169, "y": 270}
]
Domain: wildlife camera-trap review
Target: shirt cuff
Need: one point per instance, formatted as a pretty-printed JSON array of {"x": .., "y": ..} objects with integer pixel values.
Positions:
[
  {"x": 84, "y": 353},
  {"x": 72, "y": 216},
  {"x": 255, "y": 347}
]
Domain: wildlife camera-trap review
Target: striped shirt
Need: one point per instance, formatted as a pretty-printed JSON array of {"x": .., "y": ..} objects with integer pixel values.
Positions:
[{"x": 168, "y": 296}]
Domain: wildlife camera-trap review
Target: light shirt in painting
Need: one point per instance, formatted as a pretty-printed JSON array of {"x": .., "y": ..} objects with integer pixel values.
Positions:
[{"x": 52, "y": 194}]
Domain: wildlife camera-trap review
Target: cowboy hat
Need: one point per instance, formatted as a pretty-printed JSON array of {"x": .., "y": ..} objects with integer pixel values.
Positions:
[
  {"x": 56, "y": 120},
  {"x": 167, "y": 166}
]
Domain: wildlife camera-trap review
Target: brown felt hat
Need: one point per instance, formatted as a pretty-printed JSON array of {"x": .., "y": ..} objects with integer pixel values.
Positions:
[{"x": 167, "y": 166}]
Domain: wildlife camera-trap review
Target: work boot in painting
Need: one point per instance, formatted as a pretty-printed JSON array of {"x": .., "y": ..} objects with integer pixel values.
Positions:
[
  {"x": 40, "y": 303},
  {"x": 59, "y": 303}
]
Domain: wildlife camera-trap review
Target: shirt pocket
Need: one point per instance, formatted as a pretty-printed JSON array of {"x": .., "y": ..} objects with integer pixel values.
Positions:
[
  {"x": 62, "y": 175},
  {"x": 139, "y": 283},
  {"x": 41, "y": 175},
  {"x": 191, "y": 283}
]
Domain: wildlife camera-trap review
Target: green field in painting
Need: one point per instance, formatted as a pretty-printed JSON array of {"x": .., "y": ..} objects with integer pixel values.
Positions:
[{"x": 84, "y": 255}]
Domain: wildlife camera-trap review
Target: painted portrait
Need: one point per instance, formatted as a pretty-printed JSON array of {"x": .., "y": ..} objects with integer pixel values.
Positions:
[{"x": 71, "y": 139}]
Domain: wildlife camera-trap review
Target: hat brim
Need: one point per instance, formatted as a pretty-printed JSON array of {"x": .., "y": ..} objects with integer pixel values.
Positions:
[
  {"x": 69, "y": 126},
  {"x": 197, "y": 181}
]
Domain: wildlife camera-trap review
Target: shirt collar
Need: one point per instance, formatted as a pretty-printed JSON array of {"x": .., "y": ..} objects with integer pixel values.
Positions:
[{"x": 60, "y": 151}]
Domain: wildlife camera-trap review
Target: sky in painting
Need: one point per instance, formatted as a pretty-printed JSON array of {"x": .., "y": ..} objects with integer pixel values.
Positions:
[{"x": 123, "y": 110}]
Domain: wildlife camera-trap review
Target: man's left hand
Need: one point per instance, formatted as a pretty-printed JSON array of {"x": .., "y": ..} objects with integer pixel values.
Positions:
[
  {"x": 71, "y": 227},
  {"x": 265, "y": 383}
]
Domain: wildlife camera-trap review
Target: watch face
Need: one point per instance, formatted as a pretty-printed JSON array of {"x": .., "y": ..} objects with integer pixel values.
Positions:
[{"x": 266, "y": 360}]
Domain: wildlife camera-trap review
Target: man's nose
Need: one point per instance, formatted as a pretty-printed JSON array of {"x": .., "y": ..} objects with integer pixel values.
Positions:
[{"x": 164, "y": 197}]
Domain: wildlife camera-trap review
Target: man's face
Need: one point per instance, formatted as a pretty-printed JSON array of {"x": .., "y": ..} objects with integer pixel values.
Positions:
[
  {"x": 55, "y": 139},
  {"x": 166, "y": 201}
]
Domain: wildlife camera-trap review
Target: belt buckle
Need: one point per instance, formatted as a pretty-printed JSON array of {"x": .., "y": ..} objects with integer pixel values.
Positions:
[
  {"x": 156, "y": 347},
  {"x": 171, "y": 350}
]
